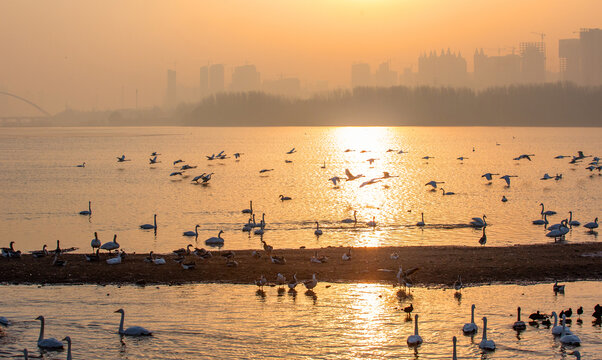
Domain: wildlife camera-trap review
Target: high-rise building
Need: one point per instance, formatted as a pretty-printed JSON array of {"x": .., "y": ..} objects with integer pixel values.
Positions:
[
  {"x": 446, "y": 69},
  {"x": 496, "y": 70},
  {"x": 216, "y": 78},
  {"x": 591, "y": 56},
  {"x": 384, "y": 76},
  {"x": 204, "y": 81},
  {"x": 569, "y": 53},
  {"x": 171, "y": 98},
  {"x": 360, "y": 75},
  {"x": 245, "y": 78},
  {"x": 533, "y": 62}
]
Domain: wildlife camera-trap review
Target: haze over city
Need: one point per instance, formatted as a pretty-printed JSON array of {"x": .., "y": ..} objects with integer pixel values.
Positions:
[{"x": 96, "y": 55}]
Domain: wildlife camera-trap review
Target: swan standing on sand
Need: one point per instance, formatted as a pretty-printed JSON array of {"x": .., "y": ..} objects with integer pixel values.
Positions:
[
  {"x": 351, "y": 221},
  {"x": 215, "y": 240},
  {"x": 132, "y": 330},
  {"x": 421, "y": 222},
  {"x": 415, "y": 340},
  {"x": 111, "y": 245},
  {"x": 150, "y": 226},
  {"x": 116, "y": 260},
  {"x": 318, "y": 232},
  {"x": 486, "y": 344},
  {"x": 10, "y": 252},
  {"x": 194, "y": 233},
  {"x": 95, "y": 243},
  {"x": 568, "y": 339},
  {"x": 471, "y": 327},
  {"x": 89, "y": 211},
  {"x": 518, "y": 324},
  {"x": 50, "y": 343},
  {"x": 347, "y": 256}
]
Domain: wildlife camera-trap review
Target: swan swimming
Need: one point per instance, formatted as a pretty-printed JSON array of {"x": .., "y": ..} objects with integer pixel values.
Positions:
[
  {"x": 215, "y": 240},
  {"x": 192, "y": 233},
  {"x": 351, "y": 221},
  {"x": 486, "y": 344},
  {"x": 571, "y": 221},
  {"x": 89, "y": 211},
  {"x": 592, "y": 225},
  {"x": 68, "y": 340},
  {"x": 549, "y": 212},
  {"x": 150, "y": 226},
  {"x": 50, "y": 343},
  {"x": 518, "y": 324},
  {"x": 415, "y": 340},
  {"x": 470, "y": 327},
  {"x": 479, "y": 222},
  {"x": 132, "y": 330},
  {"x": 447, "y": 193},
  {"x": 557, "y": 329},
  {"x": 318, "y": 232},
  {"x": 568, "y": 339},
  {"x": 421, "y": 222},
  {"x": 249, "y": 210},
  {"x": 81, "y": 165},
  {"x": 371, "y": 223}
]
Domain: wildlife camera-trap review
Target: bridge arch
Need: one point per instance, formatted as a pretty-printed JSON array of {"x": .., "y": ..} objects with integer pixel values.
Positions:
[{"x": 26, "y": 101}]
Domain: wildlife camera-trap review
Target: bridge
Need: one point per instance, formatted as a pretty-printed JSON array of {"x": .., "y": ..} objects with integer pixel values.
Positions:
[{"x": 20, "y": 120}]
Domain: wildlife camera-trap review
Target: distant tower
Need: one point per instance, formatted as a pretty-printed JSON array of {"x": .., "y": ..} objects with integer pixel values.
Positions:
[
  {"x": 216, "y": 78},
  {"x": 171, "y": 98},
  {"x": 360, "y": 75},
  {"x": 204, "y": 81},
  {"x": 533, "y": 61},
  {"x": 591, "y": 56},
  {"x": 245, "y": 78}
]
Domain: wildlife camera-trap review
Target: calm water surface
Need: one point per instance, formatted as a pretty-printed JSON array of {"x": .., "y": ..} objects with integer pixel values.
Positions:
[
  {"x": 344, "y": 321},
  {"x": 42, "y": 191}
]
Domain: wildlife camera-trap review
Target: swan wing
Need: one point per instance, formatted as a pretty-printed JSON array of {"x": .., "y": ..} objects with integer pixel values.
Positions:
[
  {"x": 137, "y": 331},
  {"x": 50, "y": 343}
]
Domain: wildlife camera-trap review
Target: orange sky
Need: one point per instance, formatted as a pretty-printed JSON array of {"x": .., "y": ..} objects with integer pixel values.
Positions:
[{"x": 82, "y": 52}]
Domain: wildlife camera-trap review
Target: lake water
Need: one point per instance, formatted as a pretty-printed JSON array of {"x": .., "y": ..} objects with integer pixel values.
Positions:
[
  {"x": 42, "y": 191},
  {"x": 206, "y": 321}
]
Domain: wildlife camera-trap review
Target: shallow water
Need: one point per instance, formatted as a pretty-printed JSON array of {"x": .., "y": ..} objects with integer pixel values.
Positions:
[
  {"x": 42, "y": 191},
  {"x": 343, "y": 321}
]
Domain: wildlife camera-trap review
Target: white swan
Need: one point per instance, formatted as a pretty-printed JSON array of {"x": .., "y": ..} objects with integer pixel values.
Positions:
[
  {"x": 150, "y": 226},
  {"x": 415, "y": 340},
  {"x": 215, "y": 240},
  {"x": 318, "y": 232},
  {"x": 50, "y": 343},
  {"x": 540, "y": 221},
  {"x": 347, "y": 256},
  {"x": 249, "y": 210},
  {"x": 448, "y": 192},
  {"x": 471, "y": 327},
  {"x": 192, "y": 233},
  {"x": 549, "y": 212},
  {"x": 507, "y": 178},
  {"x": 557, "y": 329},
  {"x": 89, "y": 211},
  {"x": 351, "y": 221},
  {"x": 573, "y": 222},
  {"x": 592, "y": 225},
  {"x": 68, "y": 340},
  {"x": 111, "y": 245},
  {"x": 310, "y": 284},
  {"x": 95, "y": 243},
  {"x": 132, "y": 330},
  {"x": 479, "y": 222},
  {"x": 486, "y": 344},
  {"x": 568, "y": 339},
  {"x": 115, "y": 260},
  {"x": 371, "y": 223},
  {"x": 421, "y": 222},
  {"x": 518, "y": 324}
]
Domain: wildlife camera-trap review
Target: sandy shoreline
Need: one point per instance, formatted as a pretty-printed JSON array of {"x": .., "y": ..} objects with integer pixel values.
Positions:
[{"x": 439, "y": 265}]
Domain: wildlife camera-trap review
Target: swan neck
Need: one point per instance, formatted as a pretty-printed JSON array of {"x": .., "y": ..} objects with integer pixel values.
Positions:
[
  {"x": 155, "y": 220},
  {"x": 416, "y": 326},
  {"x": 472, "y": 315},
  {"x": 69, "y": 350},
  {"x": 41, "y": 337},
  {"x": 555, "y": 319},
  {"x": 485, "y": 329},
  {"x": 518, "y": 314},
  {"x": 121, "y": 323}
]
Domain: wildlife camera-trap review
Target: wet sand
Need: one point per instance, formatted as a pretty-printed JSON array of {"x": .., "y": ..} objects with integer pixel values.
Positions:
[{"x": 439, "y": 265}]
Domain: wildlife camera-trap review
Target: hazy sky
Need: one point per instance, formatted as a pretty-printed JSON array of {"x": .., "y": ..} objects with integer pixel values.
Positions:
[{"x": 82, "y": 53}]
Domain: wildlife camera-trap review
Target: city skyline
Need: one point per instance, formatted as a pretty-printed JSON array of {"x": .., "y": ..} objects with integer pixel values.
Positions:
[{"x": 316, "y": 47}]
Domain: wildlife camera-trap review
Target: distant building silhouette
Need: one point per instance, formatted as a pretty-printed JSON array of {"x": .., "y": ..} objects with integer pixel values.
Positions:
[
  {"x": 171, "y": 98},
  {"x": 533, "y": 62},
  {"x": 496, "y": 70},
  {"x": 204, "y": 81},
  {"x": 384, "y": 76},
  {"x": 446, "y": 69},
  {"x": 284, "y": 86},
  {"x": 245, "y": 78},
  {"x": 360, "y": 75},
  {"x": 216, "y": 78},
  {"x": 591, "y": 56}
]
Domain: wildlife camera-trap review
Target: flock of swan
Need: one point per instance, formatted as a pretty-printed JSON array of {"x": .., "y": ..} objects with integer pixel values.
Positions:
[{"x": 52, "y": 344}]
